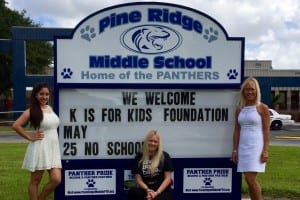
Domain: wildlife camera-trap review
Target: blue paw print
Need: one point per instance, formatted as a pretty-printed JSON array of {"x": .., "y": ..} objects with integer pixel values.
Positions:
[
  {"x": 90, "y": 183},
  {"x": 207, "y": 181},
  {"x": 66, "y": 73},
  {"x": 232, "y": 74},
  {"x": 210, "y": 35},
  {"x": 88, "y": 33}
]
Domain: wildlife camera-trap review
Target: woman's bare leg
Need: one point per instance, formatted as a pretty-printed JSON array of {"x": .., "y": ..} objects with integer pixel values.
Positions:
[
  {"x": 54, "y": 181},
  {"x": 253, "y": 185},
  {"x": 33, "y": 187}
]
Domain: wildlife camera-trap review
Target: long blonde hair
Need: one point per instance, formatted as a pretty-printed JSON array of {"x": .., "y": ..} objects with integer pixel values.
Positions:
[
  {"x": 156, "y": 158},
  {"x": 242, "y": 99}
]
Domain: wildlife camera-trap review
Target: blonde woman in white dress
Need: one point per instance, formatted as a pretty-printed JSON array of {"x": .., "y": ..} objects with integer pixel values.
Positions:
[
  {"x": 251, "y": 136},
  {"x": 43, "y": 149}
]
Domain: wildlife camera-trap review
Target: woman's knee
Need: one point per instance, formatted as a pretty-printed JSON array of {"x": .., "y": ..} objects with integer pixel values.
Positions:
[
  {"x": 55, "y": 176},
  {"x": 250, "y": 178},
  {"x": 55, "y": 181},
  {"x": 36, "y": 177}
]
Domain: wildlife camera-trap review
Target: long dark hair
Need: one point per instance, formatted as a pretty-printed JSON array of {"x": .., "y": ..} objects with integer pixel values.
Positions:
[{"x": 36, "y": 113}]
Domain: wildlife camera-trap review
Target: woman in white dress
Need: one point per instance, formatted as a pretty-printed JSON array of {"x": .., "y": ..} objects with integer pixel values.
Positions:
[
  {"x": 43, "y": 150},
  {"x": 251, "y": 136}
]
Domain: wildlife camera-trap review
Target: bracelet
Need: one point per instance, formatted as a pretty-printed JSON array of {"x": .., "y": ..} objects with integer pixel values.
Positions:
[{"x": 234, "y": 151}]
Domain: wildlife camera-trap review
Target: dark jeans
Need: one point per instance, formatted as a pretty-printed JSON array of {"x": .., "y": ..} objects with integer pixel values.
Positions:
[{"x": 140, "y": 194}]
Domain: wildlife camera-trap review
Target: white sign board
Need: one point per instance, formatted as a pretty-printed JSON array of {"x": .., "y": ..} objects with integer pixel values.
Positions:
[
  {"x": 207, "y": 180},
  {"x": 156, "y": 44},
  {"x": 90, "y": 182},
  {"x": 108, "y": 124}
]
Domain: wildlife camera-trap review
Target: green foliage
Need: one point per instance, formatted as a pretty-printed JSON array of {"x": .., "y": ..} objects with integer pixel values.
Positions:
[
  {"x": 9, "y": 18},
  {"x": 275, "y": 100},
  {"x": 38, "y": 62},
  {"x": 39, "y": 53}
]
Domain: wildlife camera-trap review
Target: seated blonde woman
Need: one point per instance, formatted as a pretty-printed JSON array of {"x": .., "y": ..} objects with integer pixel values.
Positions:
[{"x": 152, "y": 171}]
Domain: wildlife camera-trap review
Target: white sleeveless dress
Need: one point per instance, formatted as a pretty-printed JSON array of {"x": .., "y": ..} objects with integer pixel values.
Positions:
[
  {"x": 251, "y": 141},
  {"x": 44, "y": 154}
]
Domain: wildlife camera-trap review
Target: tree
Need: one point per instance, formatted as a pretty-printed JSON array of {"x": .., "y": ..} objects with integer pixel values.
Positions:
[
  {"x": 275, "y": 100},
  {"x": 39, "y": 54}
]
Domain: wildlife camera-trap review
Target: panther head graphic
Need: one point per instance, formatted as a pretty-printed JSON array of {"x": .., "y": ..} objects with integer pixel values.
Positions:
[{"x": 150, "y": 38}]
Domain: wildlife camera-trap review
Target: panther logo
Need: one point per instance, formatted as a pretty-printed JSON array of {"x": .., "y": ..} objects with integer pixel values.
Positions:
[{"x": 151, "y": 39}]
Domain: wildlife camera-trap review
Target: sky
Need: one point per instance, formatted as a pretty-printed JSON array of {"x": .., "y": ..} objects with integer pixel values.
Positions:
[{"x": 271, "y": 27}]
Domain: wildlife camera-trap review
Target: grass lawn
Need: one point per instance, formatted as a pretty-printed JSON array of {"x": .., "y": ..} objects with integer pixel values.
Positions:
[
  {"x": 14, "y": 180},
  {"x": 282, "y": 178}
]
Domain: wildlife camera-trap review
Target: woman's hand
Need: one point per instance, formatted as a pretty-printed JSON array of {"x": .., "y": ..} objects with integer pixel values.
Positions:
[
  {"x": 234, "y": 156},
  {"x": 264, "y": 156},
  {"x": 37, "y": 136},
  {"x": 151, "y": 194}
]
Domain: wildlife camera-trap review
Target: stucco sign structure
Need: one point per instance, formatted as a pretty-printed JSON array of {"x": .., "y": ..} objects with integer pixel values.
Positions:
[{"x": 135, "y": 67}]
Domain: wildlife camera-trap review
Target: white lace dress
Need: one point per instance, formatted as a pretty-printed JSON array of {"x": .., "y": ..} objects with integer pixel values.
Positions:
[
  {"x": 44, "y": 154},
  {"x": 251, "y": 141}
]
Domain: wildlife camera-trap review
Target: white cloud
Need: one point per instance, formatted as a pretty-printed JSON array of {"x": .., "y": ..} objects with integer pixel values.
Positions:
[{"x": 271, "y": 27}]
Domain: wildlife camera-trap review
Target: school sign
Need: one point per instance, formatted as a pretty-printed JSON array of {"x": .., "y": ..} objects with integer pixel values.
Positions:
[{"x": 135, "y": 67}]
